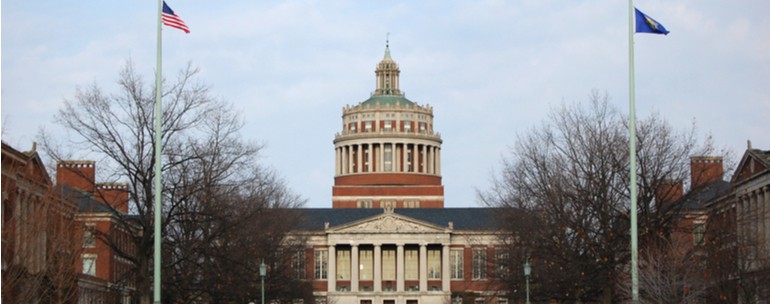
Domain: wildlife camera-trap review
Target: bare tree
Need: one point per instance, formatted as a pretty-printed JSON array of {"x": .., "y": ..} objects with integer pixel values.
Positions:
[
  {"x": 565, "y": 188},
  {"x": 206, "y": 165}
]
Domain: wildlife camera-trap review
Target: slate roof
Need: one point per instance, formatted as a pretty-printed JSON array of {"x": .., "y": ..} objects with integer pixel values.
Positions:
[
  {"x": 313, "y": 219},
  {"x": 697, "y": 199}
]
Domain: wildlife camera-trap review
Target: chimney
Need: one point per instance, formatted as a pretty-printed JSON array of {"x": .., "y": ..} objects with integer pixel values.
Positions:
[
  {"x": 669, "y": 191},
  {"x": 114, "y": 194},
  {"x": 705, "y": 170},
  {"x": 78, "y": 174}
]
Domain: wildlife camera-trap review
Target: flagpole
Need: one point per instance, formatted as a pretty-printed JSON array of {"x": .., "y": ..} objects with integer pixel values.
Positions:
[
  {"x": 632, "y": 156},
  {"x": 158, "y": 153}
]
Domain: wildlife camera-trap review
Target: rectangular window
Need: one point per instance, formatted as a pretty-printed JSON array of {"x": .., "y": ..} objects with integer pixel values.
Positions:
[
  {"x": 368, "y": 126},
  {"x": 321, "y": 258},
  {"x": 407, "y": 126},
  {"x": 388, "y": 264},
  {"x": 364, "y": 203},
  {"x": 343, "y": 264},
  {"x": 89, "y": 264},
  {"x": 434, "y": 263},
  {"x": 456, "y": 263},
  {"x": 411, "y": 264},
  {"x": 388, "y": 204},
  {"x": 412, "y": 204},
  {"x": 408, "y": 160},
  {"x": 89, "y": 236},
  {"x": 366, "y": 264},
  {"x": 388, "y": 158},
  {"x": 698, "y": 230},
  {"x": 366, "y": 160},
  {"x": 388, "y": 125},
  {"x": 479, "y": 263},
  {"x": 501, "y": 262},
  {"x": 298, "y": 264},
  {"x": 353, "y": 127}
]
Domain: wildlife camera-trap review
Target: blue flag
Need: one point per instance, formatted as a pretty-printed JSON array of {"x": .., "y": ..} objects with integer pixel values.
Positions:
[{"x": 645, "y": 24}]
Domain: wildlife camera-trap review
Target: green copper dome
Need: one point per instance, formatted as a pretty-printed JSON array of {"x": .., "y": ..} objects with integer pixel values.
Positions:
[{"x": 388, "y": 100}]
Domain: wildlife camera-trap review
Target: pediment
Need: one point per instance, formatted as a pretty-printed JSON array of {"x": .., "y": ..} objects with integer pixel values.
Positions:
[{"x": 387, "y": 223}]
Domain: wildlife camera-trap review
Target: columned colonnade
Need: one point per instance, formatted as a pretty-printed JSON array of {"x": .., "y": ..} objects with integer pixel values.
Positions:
[
  {"x": 378, "y": 263},
  {"x": 753, "y": 220},
  {"x": 401, "y": 157}
]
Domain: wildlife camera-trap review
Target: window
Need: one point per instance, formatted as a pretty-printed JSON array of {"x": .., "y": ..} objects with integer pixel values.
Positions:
[
  {"x": 388, "y": 126},
  {"x": 456, "y": 263},
  {"x": 89, "y": 236},
  {"x": 411, "y": 263},
  {"x": 422, "y": 127},
  {"x": 407, "y": 126},
  {"x": 412, "y": 204},
  {"x": 388, "y": 204},
  {"x": 89, "y": 264},
  {"x": 501, "y": 262},
  {"x": 479, "y": 263},
  {"x": 388, "y": 264},
  {"x": 434, "y": 263},
  {"x": 502, "y": 301},
  {"x": 298, "y": 264},
  {"x": 353, "y": 127},
  {"x": 364, "y": 204},
  {"x": 366, "y": 160},
  {"x": 368, "y": 126},
  {"x": 388, "y": 158},
  {"x": 408, "y": 160},
  {"x": 698, "y": 230},
  {"x": 343, "y": 264},
  {"x": 366, "y": 264},
  {"x": 321, "y": 258}
]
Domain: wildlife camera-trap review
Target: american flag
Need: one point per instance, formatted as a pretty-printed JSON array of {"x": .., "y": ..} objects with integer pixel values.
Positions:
[{"x": 172, "y": 20}]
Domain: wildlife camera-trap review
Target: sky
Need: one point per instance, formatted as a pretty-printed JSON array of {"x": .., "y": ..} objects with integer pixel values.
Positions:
[{"x": 492, "y": 70}]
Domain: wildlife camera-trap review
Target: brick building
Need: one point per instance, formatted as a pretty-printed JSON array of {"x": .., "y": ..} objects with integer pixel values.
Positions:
[
  {"x": 65, "y": 242},
  {"x": 388, "y": 238}
]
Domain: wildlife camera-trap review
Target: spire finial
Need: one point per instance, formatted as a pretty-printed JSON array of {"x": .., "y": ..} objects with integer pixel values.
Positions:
[{"x": 387, "y": 46}]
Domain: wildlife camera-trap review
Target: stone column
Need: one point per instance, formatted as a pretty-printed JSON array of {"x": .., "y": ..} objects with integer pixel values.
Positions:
[
  {"x": 400, "y": 267},
  {"x": 423, "y": 267},
  {"x": 377, "y": 268},
  {"x": 332, "y": 271},
  {"x": 337, "y": 161},
  {"x": 354, "y": 266},
  {"x": 404, "y": 148},
  {"x": 445, "y": 275}
]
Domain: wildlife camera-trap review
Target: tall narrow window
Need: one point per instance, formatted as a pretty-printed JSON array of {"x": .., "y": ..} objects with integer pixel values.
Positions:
[
  {"x": 366, "y": 160},
  {"x": 456, "y": 263},
  {"x": 366, "y": 263},
  {"x": 368, "y": 126},
  {"x": 408, "y": 160},
  {"x": 388, "y": 126},
  {"x": 698, "y": 230},
  {"x": 479, "y": 263},
  {"x": 321, "y": 266},
  {"x": 407, "y": 126},
  {"x": 343, "y": 264},
  {"x": 411, "y": 264},
  {"x": 388, "y": 158},
  {"x": 501, "y": 262},
  {"x": 298, "y": 264},
  {"x": 434, "y": 263},
  {"x": 89, "y": 237},
  {"x": 388, "y": 264},
  {"x": 89, "y": 264}
]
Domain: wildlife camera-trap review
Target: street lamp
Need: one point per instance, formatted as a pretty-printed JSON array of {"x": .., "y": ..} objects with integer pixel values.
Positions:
[
  {"x": 262, "y": 273},
  {"x": 527, "y": 272}
]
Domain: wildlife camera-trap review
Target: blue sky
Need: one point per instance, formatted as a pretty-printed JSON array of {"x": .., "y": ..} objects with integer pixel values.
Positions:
[{"x": 490, "y": 69}]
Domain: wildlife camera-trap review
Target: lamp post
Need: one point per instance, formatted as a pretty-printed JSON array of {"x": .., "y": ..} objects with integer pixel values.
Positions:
[
  {"x": 527, "y": 272},
  {"x": 262, "y": 273}
]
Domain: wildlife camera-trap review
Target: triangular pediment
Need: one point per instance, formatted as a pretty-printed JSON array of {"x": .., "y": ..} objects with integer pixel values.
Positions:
[
  {"x": 387, "y": 223},
  {"x": 752, "y": 163}
]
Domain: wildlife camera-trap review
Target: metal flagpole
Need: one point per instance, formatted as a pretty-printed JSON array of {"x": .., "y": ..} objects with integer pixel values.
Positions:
[
  {"x": 158, "y": 188},
  {"x": 632, "y": 156}
]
